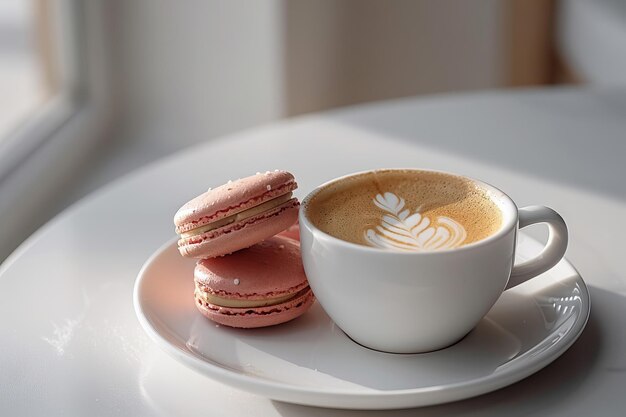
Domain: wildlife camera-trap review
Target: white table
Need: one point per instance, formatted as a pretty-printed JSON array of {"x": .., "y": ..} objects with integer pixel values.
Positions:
[{"x": 69, "y": 340}]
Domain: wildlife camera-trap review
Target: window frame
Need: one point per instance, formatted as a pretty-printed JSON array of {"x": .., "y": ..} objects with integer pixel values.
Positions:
[
  {"x": 42, "y": 159},
  {"x": 49, "y": 119}
]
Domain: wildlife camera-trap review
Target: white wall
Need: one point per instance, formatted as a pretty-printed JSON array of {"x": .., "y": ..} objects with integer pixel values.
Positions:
[
  {"x": 188, "y": 71},
  {"x": 215, "y": 66},
  {"x": 351, "y": 51},
  {"x": 591, "y": 37}
]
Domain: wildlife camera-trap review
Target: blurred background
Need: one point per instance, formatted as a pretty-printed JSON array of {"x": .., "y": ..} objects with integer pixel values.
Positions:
[{"x": 93, "y": 90}]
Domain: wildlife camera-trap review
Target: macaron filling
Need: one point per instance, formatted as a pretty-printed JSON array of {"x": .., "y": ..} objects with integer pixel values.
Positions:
[
  {"x": 246, "y": 303},
  {"x": 251, "y": 212}
]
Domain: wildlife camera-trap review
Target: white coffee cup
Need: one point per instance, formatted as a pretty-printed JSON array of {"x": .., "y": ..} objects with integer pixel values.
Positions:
[{"x": 412, "y": 302}]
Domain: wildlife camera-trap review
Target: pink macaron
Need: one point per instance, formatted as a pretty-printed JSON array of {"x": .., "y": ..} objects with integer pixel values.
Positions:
[
  {"x": 260, "y": 286},
  {"x": 293, "y": 232},
  {"x": 237, "y": 215}
]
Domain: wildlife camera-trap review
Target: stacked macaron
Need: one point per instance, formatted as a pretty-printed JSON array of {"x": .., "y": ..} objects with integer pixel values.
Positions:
[{"x": 246, "y": 276}]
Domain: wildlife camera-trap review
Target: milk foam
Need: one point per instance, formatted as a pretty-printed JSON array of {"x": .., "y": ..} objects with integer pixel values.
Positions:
[
  {"x": 405, "y": 210},
  {"x": 401, "y": 230}
]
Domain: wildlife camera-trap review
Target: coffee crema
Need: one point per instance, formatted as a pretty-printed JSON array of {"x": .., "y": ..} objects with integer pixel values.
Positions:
[{"x": 405, "y": 210}]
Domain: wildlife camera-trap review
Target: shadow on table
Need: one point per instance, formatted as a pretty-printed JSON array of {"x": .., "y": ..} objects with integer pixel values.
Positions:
[
  {"x": 547, "y": 389},
  {"x": 565, "y": 136}
]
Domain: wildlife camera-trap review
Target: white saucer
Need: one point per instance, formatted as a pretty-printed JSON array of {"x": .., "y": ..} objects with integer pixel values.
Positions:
[{"x": 311, "y": 361}]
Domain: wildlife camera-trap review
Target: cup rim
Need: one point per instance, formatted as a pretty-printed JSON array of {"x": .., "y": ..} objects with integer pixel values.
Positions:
[{"x": 502, "y": 200}]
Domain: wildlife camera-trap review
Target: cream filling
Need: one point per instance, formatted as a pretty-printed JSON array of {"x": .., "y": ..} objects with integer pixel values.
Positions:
[
  {"x": 252, "y": 211},
  {"x": 228, "y": 302}
]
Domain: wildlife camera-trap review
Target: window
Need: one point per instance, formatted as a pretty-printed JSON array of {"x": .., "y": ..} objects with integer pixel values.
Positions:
[
  {"x": 28, "y": 75},
  {"x": 39, "y": 75}
]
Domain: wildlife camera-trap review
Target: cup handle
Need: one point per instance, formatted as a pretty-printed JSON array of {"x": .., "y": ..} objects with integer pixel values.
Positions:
[{"x": 551, "y": 253}]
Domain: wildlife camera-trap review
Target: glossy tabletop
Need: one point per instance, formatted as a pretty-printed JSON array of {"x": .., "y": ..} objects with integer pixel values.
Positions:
[{"x": 71, "y": 344}]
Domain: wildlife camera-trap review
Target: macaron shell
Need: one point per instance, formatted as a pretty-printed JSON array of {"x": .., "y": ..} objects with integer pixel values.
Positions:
[
  {"x": 272, "y": 268},
  {"x": 240, "y": 235},
  {"x": 249, "y": 318},
  {"x": 232, "y": 198},
  {"x": 293, "y": 232}
]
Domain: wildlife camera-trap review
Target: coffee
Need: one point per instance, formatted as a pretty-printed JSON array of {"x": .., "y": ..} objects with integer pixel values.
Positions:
[{"x": 405, "y": 210}]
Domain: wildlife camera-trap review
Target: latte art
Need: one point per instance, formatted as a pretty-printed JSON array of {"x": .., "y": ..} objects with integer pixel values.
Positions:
[
  {"x": 401, "y": 230},
  {"x": 405, "y": 210}
]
